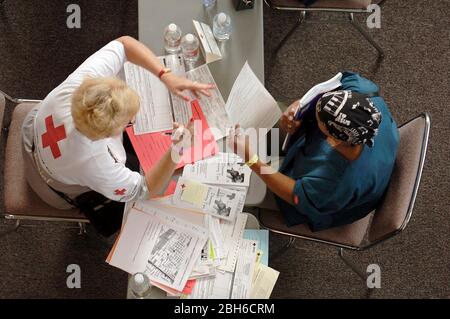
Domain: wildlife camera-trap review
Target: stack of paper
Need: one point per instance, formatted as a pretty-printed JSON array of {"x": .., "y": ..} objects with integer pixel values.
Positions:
[{"x": 193, "y": 243}]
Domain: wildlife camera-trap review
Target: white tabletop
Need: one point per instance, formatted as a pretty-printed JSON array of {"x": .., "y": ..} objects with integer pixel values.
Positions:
[{"x": 246, "y": 44}]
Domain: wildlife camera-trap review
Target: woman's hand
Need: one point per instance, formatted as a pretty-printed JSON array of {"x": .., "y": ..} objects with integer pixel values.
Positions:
[
  {"x": 287, "y": 122},
  {"x": 182, "y": 139},
  {"x": 177, "y": 84},
  {"x": 240, "y": 143}
]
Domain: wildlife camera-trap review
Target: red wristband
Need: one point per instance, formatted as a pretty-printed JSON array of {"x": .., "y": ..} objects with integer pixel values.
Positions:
[{"x": 163, "y": 71}]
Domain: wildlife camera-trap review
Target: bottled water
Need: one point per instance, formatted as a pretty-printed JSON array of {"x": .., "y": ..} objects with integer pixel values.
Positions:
[
  {"x": 189, "y": 47},
  {"x": 172, "y": 38},
  {"x": 209, "y": 3},
  {"x": 140, "y": 286},
  {"x": 222, "y": 26}
]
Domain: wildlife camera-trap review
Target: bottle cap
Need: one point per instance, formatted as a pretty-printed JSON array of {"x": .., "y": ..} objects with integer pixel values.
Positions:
[
  {"x": 139, "y": 278},
  {"x": 172, "y": 27},
  {"x": 189, "y": 38},
  {"x": 222, "y": 18}
]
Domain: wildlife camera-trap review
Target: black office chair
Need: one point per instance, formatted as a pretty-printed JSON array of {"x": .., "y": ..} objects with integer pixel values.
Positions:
[{"x": 349, "y": 7}]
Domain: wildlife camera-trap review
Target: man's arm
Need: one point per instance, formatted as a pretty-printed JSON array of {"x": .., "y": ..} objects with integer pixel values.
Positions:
[{"x": 278, "y": 183}]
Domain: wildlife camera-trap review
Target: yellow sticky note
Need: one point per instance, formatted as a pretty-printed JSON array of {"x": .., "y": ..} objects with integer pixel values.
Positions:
[{"x": 193, "y": 192}]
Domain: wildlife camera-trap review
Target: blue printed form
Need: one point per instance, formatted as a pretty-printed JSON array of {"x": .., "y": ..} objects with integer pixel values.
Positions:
[{"x": 262, "y": 236}]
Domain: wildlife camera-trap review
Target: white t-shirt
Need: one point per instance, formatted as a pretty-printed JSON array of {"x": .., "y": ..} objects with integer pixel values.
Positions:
[{"x": 72, "y": 158}]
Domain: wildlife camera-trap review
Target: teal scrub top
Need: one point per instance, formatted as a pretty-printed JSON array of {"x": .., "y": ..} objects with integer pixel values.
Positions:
[{"x": 329, "y": 189}]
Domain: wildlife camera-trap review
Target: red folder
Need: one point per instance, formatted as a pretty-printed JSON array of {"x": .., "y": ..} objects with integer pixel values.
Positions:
[{"x": 151, "y": 147}]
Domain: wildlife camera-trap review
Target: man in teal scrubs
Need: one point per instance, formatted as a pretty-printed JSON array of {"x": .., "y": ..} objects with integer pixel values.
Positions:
[{"x": 339, "y": 169}]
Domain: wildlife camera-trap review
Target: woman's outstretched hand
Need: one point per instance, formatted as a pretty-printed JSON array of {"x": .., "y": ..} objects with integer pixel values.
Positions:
[{"x": 177, "y": 85}]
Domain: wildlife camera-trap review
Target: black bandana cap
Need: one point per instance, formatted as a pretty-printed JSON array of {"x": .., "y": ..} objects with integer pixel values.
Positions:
[{"x": 349, "y": 116}]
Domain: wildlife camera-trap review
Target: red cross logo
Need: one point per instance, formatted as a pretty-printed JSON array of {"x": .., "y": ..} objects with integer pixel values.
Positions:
[
  {"x": 120, "y": 191},
  {"x": 53, "y": 136}
]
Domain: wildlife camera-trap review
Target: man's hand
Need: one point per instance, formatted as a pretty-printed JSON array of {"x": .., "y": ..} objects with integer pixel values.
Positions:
[
  {"x": 287, "y": 122},
  {"x": 240, "y": 143},
  {"x": 177, "y": 85}
]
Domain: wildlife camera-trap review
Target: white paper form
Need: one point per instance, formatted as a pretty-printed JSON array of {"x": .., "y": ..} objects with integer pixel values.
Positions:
[
  {"x": 218, "y": 287},
  {"x": 155, "y": 112},
  {"x": 165, "y": 204},
  {"x": 245, "y": 265},
  {"x": 216, "y": 172},
  {"x": 161, "y": 245},
  {"x": 264, "y": 279},
  {"x": 232, "y": 234},
  {"x": 181, "y": 109},
  {"x": 220, "y": 202},
  {"x": 213, "y": 107},
  {"x": 250, "y": 104}
]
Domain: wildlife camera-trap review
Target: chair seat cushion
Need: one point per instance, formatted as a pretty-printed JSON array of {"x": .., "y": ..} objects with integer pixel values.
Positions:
[
  {"x": 20, "y": 199},
  {"x": 323, "y": 4},
  {"x": 350, "y": 235}
]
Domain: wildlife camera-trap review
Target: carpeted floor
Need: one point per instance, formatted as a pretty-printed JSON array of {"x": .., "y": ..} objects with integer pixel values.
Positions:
[{"x": 38, "y": 51}]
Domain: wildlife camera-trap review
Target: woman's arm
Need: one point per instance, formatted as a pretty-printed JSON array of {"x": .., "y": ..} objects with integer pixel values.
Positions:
[
  {"x": 160, "y": 174},
  {"x": 141, "y": 55}
]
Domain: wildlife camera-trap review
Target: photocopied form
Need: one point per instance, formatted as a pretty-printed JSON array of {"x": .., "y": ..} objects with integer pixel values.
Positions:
[
  {"x": 213, "y": 107},
  {"x": 159, "y": 244},
  {"x": 263, "y": 281},
  {"x": 244, "y": 269},
  {"x": 233, "y": 235},
  {"x": 215, "y": 172},
  {"x": 155, "y": 112},
  {"x": 220, "y": 202},
  {"x": 250, "y": 104}
]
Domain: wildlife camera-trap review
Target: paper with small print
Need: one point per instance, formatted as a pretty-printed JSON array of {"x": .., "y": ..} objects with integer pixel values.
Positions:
[{"x": 221, "y": 202}]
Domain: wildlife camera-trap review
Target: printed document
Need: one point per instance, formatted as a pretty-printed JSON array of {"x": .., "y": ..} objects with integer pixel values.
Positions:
[
  {"x": 262, "y": 237},
  {"x": 161, "y": 245},
  {"x": 245, "y": 265},
  {"x": 232, "y": 234},
  {"x": 264, "y": 279},
  {"x": 250, "y": 104},
  {"x": 218, "y": 172},
  {"x": 214, "y": 106},
  {"x": 220, "y": 202}
]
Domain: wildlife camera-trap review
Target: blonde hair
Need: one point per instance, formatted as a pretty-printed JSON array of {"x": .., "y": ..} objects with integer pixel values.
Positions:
[{"x": 102, "y": 107}]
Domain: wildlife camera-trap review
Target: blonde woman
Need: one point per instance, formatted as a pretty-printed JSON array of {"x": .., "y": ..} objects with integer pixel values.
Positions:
[{"x": 73, "y": 140}]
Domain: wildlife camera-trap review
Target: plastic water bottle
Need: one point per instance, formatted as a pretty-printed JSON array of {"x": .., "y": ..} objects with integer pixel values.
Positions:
[
  {"x": 172, "y": 38},
  {"x": 209, "y": 3},
  {"x": 189, "y": 47},
  {"x": 222, "y": 26},
  {"x": 140, "y": 286}
]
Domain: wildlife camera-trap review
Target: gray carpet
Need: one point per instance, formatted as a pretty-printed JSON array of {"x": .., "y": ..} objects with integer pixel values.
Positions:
[{"x": 38, "y": 51}]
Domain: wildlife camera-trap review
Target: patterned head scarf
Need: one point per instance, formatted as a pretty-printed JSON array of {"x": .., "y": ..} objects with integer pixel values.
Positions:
[{"x": 349, "y": 116}]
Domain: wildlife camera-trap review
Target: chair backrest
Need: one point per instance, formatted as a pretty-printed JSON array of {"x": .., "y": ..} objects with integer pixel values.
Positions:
[
  {"x": 360, "y": 5},
  {"x": 395, "y": 211},
  {"x": 2, "y": 112}
]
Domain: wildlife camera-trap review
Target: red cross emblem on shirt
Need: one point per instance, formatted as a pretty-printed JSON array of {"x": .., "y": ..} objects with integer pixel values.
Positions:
[
  {"x": 53, "y": 136},
  {"x": 120, "y": 191}
]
